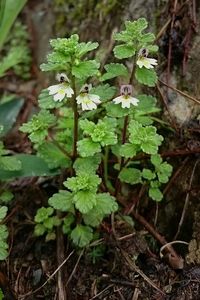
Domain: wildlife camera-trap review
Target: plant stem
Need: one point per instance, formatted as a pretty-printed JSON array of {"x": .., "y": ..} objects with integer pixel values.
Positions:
[
  {"x": 75, "y": 109},
  {"x": 105, "y": 165}
]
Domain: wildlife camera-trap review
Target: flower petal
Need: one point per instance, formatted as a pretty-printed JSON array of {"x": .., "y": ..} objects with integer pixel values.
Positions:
[
  {"x": 53, "y": 89},
  {"x": 69, "y": 92},
  {"x": 95, "y": 98},
  {"x": 134, "y": 101},
  {"x": 118, "y": 99},
  {"x": 59, "y": 96}
]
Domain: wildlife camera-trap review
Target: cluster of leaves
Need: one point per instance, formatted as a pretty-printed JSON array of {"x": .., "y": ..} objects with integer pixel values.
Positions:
[
  {"x": 82, "y": 204},
  {"x": 16, "y": 52},
  {"x": 83, "y": 197},
  {"x": 132, "y": 39}
]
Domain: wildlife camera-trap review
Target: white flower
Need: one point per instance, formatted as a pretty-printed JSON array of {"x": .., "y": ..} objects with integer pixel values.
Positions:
[
  {"x": 88, "y": 101},
  {"x": 60, "y": 91},
  {"x": 126, "y": 101},
  {"x": 146, "y": 62}
]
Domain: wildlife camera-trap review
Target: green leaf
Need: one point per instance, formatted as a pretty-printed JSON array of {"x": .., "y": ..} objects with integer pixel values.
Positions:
[
  {"x": 114, "y": 70},
  {"x": 146, "y": 76},
  {"x": 38, "y": 126},
  {"x": 8, "y": 114},
  {"x": 82, "y": 235},
  {"x": 156, "y": 160},
  {"x": 62, "y": 201},
  {"x": 3, "y": 253},
  {"x": 6, "y": 196},
  {"x": 147, "y": 38},
  {"x": 130, "y": 175},
  {"x": 67, "y": 222},
  {"x": 105, "y": 205},
  {"x": 116, "y": 110},
  {"x": 50, "y": 222},
  {"x": 146, "y": 137},
  {"x": 10, "y": 163},
  {"x": 147, "y": 104},
  {"x": 3, "y": 212},
  {"x": 84, "y": 201},
  {"x": 3, "y": 243},
  {"x": 3, "y": 232},
  {"x": 53, "y": 156},
  {"x": 155, "y": 194},
  {"x": 103, "y": 132},
  {"x": 1, "y": 294},
  {"x": 124, "y": 51},
  {"x": 85, "y": 69},
  {"x": 43, "y": 214},
  {"x": 46, "y": 101},
  {"x": 9, "y": 11},
  {"x": 31, "y": 165},
  {"x": 128, "y": 150},
  {"x": 104, "y": 91},
  {"x": 39, "y": 229},
  {"x": 87, "y": 126},
  {"x": 87, "y": 163},
  {"x": 83, "y": 181},
  {"x": 148, "y": 174},
  {"x": 83, "y": 48},
  {"x": 87, "y": 147}
]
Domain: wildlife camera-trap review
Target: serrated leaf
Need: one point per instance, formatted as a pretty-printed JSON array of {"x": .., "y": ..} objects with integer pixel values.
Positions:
[
  {"x": 43, "y": 214},
  {"x": 148, "y": 174},
  {"x": 61, "y": 201},
  {"x": 67, "y": 222},
  {"x": 3, "y": 232},
  {"x": 84, "y": 201},
  {"x": 114, "y": 70},
  {"x": 87, "y": 126},
  {"x": 116, "y": 110},
  {"x": 53, "y": 156},
  {"x": 39, "y": 229},
  {"x": 128, "y": 150},
  {"x": 3, "y": 253},
  {"x": 3, "y": 212},
  {"x": 83, "y": 181},
  {"x": 124, "y": 51},
  {"x": 104, "y": 91},
  {"x": 155, "y": 194},
  {"x": 146, "y": 76},
  {"x": 83, "y": 48},
  {"x": 147, "y": 104},
  {"x": 105, "y": 205},
  {"x": 130, "y": 175},
  {"x": 82, "y": 235},
  {"x": 85, "y": 69},
  {"x": 87, "y": 147},
  {"x": 87, "y": 163},
  {"x": 156, "y": 160}
]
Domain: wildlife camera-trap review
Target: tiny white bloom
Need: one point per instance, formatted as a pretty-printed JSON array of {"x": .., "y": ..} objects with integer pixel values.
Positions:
[
  {"x": 126, "y": 99},
  {"x": 88, "y": 101},
  {"x": 146, "y": 62},
  {"x": 60, "y": 91}
]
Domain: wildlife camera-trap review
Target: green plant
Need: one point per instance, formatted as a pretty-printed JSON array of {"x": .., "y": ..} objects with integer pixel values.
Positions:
[
  {"x": 1, "y": 295},
  {"x": 92, "y": 133}
]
